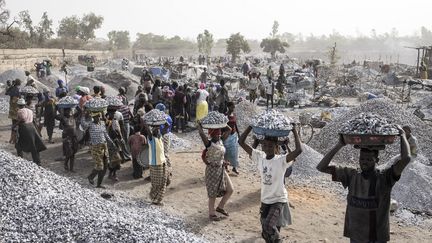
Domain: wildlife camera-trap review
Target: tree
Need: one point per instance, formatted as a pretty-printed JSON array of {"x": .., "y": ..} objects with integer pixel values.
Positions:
[
  {"x": 26, "y": 22},
  {"x": 119, "y": 39},
  {"x": 205, "y": 42},
  {"x": 333, "y": 55},
  {"x": 4, "y": 13},
  {"x": 89, "y": 23},
  {"x": 5, "y": 27},
  {"x": 235, "y": 45},
  {"x": 84, "y": 28},
  {"x": 426, "y": 35},
  {"x": 44, "y": 29},
  {"x": 275, "y": 29},
  {"x": 273, "y": 45},
  {"x": 69, "y": 27}
]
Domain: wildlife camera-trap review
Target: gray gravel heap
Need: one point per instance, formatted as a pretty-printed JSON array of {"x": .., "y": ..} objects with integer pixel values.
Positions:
[
  {"x": 245, "y": 111},
  {"x": 13, "y": 74},
  {"x": 327, "y": 138},
  {"x": 414, "y": 189},
  {"x": 37, "y": 205},
  {"x": 4, "y": 105},
  {"x": 179, "y": 143}
]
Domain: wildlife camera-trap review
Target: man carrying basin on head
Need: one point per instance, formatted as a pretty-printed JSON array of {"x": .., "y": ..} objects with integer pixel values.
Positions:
[{"x": 369, "y": 190}]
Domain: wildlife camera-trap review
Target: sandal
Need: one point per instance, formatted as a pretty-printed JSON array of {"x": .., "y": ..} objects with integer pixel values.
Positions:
[
  {"x": 214, "y": 217},
  {"x": 222, "y": 211}
]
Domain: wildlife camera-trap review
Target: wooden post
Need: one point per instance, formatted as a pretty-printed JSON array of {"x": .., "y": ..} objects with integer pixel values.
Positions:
[{"x": 418, "y": 62}]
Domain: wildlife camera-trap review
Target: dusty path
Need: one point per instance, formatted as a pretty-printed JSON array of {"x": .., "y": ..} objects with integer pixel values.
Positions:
[{"x": 317, "y": 217}]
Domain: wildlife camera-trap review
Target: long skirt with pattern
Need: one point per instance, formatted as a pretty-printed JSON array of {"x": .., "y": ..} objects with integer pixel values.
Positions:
[
  {"x": 98, "y": 152},
  {"x": 158, "y": 176},
  {"x": 215, "y": 181},
  {"x": 114, "y": 156}
]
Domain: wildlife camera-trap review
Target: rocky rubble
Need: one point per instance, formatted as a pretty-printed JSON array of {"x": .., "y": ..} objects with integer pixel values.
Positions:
[{"x": 37, "y": 205}]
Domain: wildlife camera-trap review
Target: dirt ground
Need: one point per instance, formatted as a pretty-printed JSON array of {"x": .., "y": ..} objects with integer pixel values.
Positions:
[{"x": 318, "y": 215}]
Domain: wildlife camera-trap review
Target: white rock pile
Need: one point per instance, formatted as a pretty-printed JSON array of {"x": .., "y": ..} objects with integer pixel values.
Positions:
[{"x": 37, "y": 205}]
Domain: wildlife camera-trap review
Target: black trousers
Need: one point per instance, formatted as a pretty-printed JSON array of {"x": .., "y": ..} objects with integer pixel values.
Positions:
[{"x": 137, "y": 169}]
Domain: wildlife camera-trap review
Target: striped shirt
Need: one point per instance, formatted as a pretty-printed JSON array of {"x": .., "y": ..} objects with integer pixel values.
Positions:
[
  {"x": 124, "y": 109},
  {"x": 98, "y": 132},
  {"x": 156, "y": 151}
]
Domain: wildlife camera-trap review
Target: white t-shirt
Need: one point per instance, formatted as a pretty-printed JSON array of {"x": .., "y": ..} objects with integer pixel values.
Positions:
[
  {"x": 269, "y": 88},
  {"x": 203, "y": 94},
  {"x": 272, "y": 177},
  {"x": 118, "y": 116},
  {"x": 253, "y": 84}
]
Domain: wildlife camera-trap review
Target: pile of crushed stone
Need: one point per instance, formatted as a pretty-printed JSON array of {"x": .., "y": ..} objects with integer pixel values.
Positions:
[
  {"x": 245, "y": 111},
  {"x": 414, "y": 189},
  {"x": 13, "y": 74},
  {"x": 328, "y": 136},
  {"x": 117, "y": 79},
  {"x": 178, "y": 143},
  {"x": 39, "y": 205},
  {"x": 4, "y": 105},
  {"x": 84, "y": 81}
]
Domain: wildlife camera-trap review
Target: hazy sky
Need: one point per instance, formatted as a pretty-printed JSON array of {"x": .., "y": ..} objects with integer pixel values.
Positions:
[{"x": 253, "y": 18}]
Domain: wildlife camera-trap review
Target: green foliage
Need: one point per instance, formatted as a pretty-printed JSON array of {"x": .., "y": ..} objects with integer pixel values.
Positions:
[
  {"x": 275, "y": 29},
  {"x": 273, "y": 45},
  {"x": 205, "y": 42},
  {"x": 84, "y": 28},
  {"x": 26, "y": 23},
  {"x": 235, "y": 45},
  {"x": 151, "y": 41},
  {"x": 69, "y": 27},
  {"x": 119, "y": 39},
  {"x": 44, "y": 30},
  {"x": 89, "y": 23}
]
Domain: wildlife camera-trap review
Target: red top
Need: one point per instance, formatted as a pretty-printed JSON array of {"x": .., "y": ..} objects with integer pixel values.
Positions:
[{"x": 232, "y": 122}]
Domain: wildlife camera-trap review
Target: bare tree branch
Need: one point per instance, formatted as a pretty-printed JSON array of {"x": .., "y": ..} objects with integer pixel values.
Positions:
[{"x": 7, "y": 31}]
